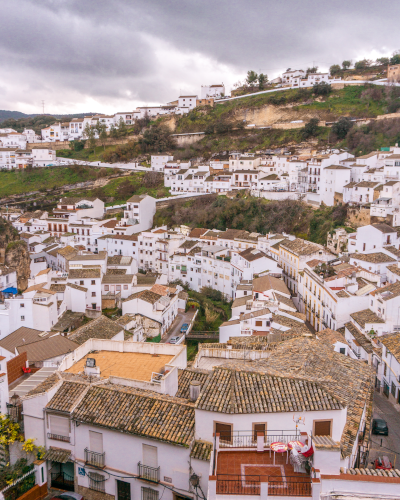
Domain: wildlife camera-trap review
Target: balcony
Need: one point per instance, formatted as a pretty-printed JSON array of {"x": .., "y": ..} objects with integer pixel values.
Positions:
[
  {"x": 95, "y": 459},
  {"x": 149, "y": 473},
  {"x": 243, "y": 464},
  {"x": 57, "y": 437}
]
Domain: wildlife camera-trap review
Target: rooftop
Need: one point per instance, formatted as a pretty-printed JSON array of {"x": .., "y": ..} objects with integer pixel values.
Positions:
[
  {"x": 300, "y": 247},
  {"x": 99, "y": 328},
  {"x": 375, "y": 258}
]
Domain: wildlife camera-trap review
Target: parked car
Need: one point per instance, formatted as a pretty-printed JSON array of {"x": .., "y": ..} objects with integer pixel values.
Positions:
[
  {"x": 174, "y": 340},
  {"x": 184, "y": 328},
  {"x": 379, "y": 426},
  {"x": 69, "y": 495}
]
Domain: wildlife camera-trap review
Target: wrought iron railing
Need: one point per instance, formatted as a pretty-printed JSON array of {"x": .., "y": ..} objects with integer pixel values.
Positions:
[
  {"x": 232, "y": 484},
  {"x": 95, "y": 459},
  {"x": 149, "y": 473},
  {"x": 289, "y": 486},
  {"x": 292, "y": 486},
  {"x": 247, "y": 439},
  {"x": 58, "y": 437}
]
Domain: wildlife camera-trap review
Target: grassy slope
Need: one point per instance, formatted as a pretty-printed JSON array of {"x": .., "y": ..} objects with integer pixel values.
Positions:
[{"x": 19, "y": 182}]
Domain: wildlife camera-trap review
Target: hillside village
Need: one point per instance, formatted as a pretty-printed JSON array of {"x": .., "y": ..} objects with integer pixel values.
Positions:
[{"x": 184, "y": 362}]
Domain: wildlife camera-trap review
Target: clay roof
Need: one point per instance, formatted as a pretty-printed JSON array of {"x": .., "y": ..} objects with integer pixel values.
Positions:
[
  {"x": 68, "y": 250},
  {"x": 137, "y": 198},
  {"x": 384, "y": 228},
  {"x": 137, "y": 412},
  {"x": 22, "y": 335},
  {"x": 117, "y": 278},
  {"x": 330, "y": 337},
  {"x": 251, "y": 254},
  {"x": 367, "y": 184},
  {"x": 388, "y": 292},
  {"x": 99, "y": 328},
  {"x": 300, "y": 247},
  {"x": 201, "y": 450},
  {"x": 186, "y": 376},
  {"x": 146, "y": 295},
  {"x": 366, "y": 316},
  {"x": 361, "y": 339},
  {"x": 375, "y": 258},
  {"x": 392, "y": 344},
  {"x": 67, "y": 396},
  {"x": 270, "y": 283},
  {"x": 84, "y": 273}
]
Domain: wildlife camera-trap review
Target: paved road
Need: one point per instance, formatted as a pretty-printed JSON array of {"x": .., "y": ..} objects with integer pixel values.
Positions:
[
  {"x": 390, "y": 444},
  {"x": 176, "y": 326}
]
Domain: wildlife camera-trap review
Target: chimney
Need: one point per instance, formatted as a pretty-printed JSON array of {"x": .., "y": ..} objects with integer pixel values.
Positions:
[{"x": 194, "y": 390}]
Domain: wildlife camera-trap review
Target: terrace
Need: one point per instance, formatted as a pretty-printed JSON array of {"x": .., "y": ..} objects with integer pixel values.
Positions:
[{"x": 243, "y": 463}]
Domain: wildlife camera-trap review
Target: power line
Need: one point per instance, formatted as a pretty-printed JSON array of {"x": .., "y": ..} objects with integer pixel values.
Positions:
[{"x": 43, "y": 106}]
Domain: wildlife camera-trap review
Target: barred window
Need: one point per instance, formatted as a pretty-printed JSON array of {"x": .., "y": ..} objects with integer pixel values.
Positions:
[
  {"x": 96, "y": 481},
  {"x": 393, "y": 389},
  {"x": 149, "y": 494}
]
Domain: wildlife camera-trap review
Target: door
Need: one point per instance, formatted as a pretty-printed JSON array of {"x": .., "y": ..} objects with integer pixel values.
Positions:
[
  {"x": 322, "y": 428},
  {"x": 150, "y": 456},
  {"x": 123, "y": 490},
  {"x": 258, "y": 428},
  {"x": 225, "y": 432}
]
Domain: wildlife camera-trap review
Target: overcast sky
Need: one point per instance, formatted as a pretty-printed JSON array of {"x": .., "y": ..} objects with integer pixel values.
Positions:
[{"x": 113, "y": 55}]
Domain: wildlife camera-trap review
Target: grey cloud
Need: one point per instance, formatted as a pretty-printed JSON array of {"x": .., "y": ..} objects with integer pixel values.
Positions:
[{"x": 71, "y": 50}]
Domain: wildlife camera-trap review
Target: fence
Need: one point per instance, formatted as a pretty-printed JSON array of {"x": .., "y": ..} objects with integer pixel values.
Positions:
[
  {"x": 233, "y": 484},
  {"x": 19, "y": 486}
]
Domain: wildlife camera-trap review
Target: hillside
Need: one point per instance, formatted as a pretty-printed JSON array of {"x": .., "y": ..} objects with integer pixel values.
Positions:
[
  {"x": 254, "y": 215},
  {"x": 18, "y": 121}
]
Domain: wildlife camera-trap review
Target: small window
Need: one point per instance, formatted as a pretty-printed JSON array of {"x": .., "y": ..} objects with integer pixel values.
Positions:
[
  {"x": 118, "y": 287},
  {"x": 93, "y": 294},
  {"x": 258, "y": 323},
  {"x": 106, "y": 288},
  {"x": 96, "y": 481},
  {"x": 93, "y": 282},
  {"x": 81, "y": 282},
  {"x": 125, "y": 287},
  {"x": 149, "y": 494},
  {"x": 22, "y": 305},
  {"x": 22, "y": 318},
  {"x": 342, "y": 350},
  {"x": 322, "y": 427}
]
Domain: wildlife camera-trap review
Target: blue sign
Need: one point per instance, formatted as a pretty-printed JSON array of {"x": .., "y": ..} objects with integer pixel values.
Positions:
[{"x": 81, "y": 471}]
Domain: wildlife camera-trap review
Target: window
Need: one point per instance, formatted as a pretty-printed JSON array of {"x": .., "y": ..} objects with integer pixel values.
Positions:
[
  {"x": 322, "y": 427},
  {"x": 59, "y": 427},
  {"x": 22, "y": 318},
  {"x": 96, "y": 481},
  {"x": 225, "y": 432},
  {"x": 393, "y": 389},
  {"x": 22, "y": 305},
  {"x": 93, "y": 294},
  {"x": 342, "y": 350},
  {"x": 81, "y": 282},
  {"x": 259, "y": 428},
  {"x": 125, "y": 287},
  {"x": 118, "y": 287},
  {"x": 150, "y": 455},
  {"x": 106, "y": 288},
  {"x": 96, "y": 441},
  {"x": 149, "y": 494},
  {"x": 258, "y": 323},
  {"x": 93, "y": 282}
]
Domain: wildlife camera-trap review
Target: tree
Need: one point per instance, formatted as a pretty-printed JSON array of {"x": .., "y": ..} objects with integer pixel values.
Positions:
[
  {"x": 346, "y": 64},
  {"x": 322, "y": 88},
  {"x": 89, "y": 133},
  {"x": 113, "y": 131},
  {"x": 382, "y": 60},
  {"x": 334, "y": 69},
  {"x": 262, "y": 80},
  {"x": 310, "y": 129},
  {"x": 342, "y": 127},
  {"x": 252, "y": 78},
  {"x": 122, "y": 130},
  {"x": 314, "y": 69},
  {"x": 157, "y": 138},
  {"x": 101, "y": 129},
  {"x": 363, "y": 64},
  {"x": 395, "y": 59}
]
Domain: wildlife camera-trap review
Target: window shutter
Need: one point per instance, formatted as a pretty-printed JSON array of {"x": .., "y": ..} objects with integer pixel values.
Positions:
[
  {"x": 322, "y": 428},
  {"x": 59, "y": 425},
  {"x": 96, "y": 441},
  {"x": 150, "y": 456}
]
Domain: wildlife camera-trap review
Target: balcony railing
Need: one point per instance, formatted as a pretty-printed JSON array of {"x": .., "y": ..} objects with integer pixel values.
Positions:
[
  {"x": 95, "y": 459},
  {"x": 149, "y": 473},
  {"x": 292, "y": 486},
  {"x": 57, "y": 437},
  {"x": 247, "y": 439}
]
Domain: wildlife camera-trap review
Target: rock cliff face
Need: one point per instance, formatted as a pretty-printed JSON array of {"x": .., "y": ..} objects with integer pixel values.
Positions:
[{"x": 14, "y": 253}]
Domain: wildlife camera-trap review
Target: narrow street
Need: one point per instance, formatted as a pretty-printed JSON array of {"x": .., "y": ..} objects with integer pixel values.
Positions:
[
  {"x": 180, "y": 319},
  {"x": 390, "y": 446}
]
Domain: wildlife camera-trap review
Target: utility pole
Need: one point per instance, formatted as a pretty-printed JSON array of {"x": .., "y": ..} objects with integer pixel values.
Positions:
[{"x": 43, "y": 106}]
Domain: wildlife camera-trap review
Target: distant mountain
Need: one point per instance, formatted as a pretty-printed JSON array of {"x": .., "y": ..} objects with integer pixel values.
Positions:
[{"x": 17, "y": 115}]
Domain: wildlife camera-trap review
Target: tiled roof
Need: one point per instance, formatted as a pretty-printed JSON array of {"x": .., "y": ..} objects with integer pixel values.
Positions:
[
  {"x": 201, "y": 450},
  {"x": 184, "y": 379},
  {"x": 325, "y": 442},
  {"x": 388, "y": 292},
  {"x": 270, "y": 283},
  {"x": 68, "y": 250},
  {"x": 229, "y": 390},
  {"x": 367, "y": 184},
  {"x": 77, "y": 287},
  {"x": 145, "y": 295},
  {"x": 100, "y": 328},
  {"x": 58, "y": 287},
  {"x": 300, "y": 247},
  {"x": 342, "y": 294},
  {"x": 350, "y": 381},
  {"x": 366, "y": 316},
  {"x": 395, "y": 251},
  {"x": 285, "y": 300},
  {"x": 137, "y": 198},
  {"x": 361, "y": 339},
  {"x": 20, "y": 336},
  {"x": 251, "y": 254},
  {"x": 146, "y": 279},
  {"x": 384, "y": 228},
  {"x": 92, "y": 272},
  {"x": 330, "y": 337},
  {"x": 371, "y": 472},
  {"x": 117, "y": 278},
  {"x": 241, "y": 301},
  {"x": 375, "y": 258},
  {"x": 119, "y": 260},
  {"x": 392, "y": 344},
  {"x": 197, "y": 232},
  {"x": 60, "y": 455},
  {"x": 46, "y": 385},
  {"x": 67, "y": 396},
  {"x": 134, "y": 412},
  {"x": 285, "y": 321}
]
